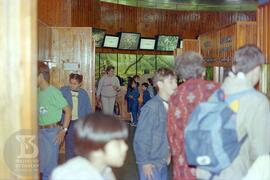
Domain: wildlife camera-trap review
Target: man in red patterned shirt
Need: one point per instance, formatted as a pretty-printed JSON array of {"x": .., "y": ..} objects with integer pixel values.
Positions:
[{"x": 182, "y": 102}]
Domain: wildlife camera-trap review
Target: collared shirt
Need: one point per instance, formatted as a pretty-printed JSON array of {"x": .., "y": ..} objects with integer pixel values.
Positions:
[{"x": 51, "y": 103}]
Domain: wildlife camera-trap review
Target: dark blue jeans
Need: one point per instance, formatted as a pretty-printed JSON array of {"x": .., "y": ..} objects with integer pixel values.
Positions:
[
  {"x": 69, "y": 141},
  {"x": 48, "y": 151},
  {"x": 160, "y": 173}
]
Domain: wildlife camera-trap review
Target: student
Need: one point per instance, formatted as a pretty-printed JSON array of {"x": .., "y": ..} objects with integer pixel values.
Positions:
[
  {"x": 79, "y": 102},
  {"x": 133, "y": 100},
  {"x": 99, "y": 141},
  {"x": 129, "y": 88},
  {"x": 151, "y": 88},
  {"x": 137, "y": 79},
  {"x": 189, "y": 66},
  {"x": 151, "y": 145},
  {"x": 51, "y": 103},
  {"x": 146, "y": 94},
  {"x": 253, "y": 115},
  {"x": 108, "y": 87}
]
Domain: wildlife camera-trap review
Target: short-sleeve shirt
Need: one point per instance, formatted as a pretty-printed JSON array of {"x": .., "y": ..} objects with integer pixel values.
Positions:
[{"x": 50, "y": 103}]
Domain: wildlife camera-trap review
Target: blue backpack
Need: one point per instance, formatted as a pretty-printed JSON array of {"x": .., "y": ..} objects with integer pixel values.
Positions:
[{"x": 211, "y": 141}]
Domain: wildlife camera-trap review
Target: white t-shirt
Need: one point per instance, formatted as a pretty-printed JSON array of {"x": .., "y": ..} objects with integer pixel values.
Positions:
[
  {"x": 79, "y": 168},
  {"x": 75, "y": 105}
]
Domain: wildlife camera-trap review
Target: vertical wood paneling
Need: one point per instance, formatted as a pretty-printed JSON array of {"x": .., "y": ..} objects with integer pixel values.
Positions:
[
  {"x": 219, "y": 46},
  {"x": 18, "y": 88},
  {"x": 55, "y": 12},
  {"x": 148, "y": 22},
  {"x": 246, "y": 33},
  {"x": 112, "y": 22},
  {"x": 191, "y": 45},
  {"x": 263, "y": 27},
  {"x": 227, "y": 42},
  {"x": 73, "y": 45},
  {"x": 44, "y": 40},
  {"x": 86, "y": 11},
  {"x": 209, "y": 45}
]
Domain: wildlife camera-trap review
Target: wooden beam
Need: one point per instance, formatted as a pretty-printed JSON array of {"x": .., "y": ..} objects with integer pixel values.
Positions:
[{"x": 18, "y": 77}]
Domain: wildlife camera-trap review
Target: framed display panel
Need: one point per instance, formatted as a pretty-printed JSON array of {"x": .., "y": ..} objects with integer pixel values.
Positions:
[
  {"x": 129, "y": 41},
  {"x": 111, "y": 41},
  {"x": 147, "y": 43},
  {"x": 98, "y": 36},
  {"x": 167, "y": 43}
]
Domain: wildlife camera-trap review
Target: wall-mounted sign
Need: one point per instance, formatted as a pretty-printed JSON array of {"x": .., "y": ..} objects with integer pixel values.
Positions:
[{"x": 71, "y": 66}]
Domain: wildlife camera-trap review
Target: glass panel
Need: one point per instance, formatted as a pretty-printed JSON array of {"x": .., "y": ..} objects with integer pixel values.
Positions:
[
  {"x": 165, "y": 61},
  {"x": 126, "y": 65},
  {"x": 107, "y": 59},
  {"x": 145, "y": 62}
]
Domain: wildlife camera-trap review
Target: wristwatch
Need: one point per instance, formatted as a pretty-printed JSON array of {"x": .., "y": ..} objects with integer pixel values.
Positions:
[{"x": 63, "y": 128}]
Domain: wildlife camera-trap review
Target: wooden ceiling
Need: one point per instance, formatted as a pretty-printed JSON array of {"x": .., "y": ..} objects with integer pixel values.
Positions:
[{"x": 193, "y": 5}]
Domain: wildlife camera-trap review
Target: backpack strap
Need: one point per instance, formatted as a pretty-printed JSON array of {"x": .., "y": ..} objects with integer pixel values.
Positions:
[{"x": 234, "y": 96}]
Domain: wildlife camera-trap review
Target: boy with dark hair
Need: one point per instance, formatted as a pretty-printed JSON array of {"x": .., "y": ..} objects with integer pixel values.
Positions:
[
  {"x": 146, "y": 94},
  {"x": 99, "y": 143},
  {"x": 253, "y": 115},
  {"x": 150, "y": 142},
  {"x": 79, "y": 101},
  {"x": 51, "y": 103}
]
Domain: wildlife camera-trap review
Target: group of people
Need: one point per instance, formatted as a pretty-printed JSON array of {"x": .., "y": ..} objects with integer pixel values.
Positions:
[
  {"x": 97, "y": 139},
  {"x": 134, "y": 104},
  {"x": 159, "y": 137}
]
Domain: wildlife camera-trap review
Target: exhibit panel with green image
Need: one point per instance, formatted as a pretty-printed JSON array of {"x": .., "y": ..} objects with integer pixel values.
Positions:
[{"x": 127, "y": 65}]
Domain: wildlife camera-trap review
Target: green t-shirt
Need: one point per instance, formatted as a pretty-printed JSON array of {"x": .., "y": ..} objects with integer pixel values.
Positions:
[{"x": 51, "y": 103}]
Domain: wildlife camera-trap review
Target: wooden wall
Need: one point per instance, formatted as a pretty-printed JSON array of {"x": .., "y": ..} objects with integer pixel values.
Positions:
[
  {"x": 188, "y": 45},
  {"x": 191, "y": 45},
  {"x": 61, "y": 46},
  {"x": 44, "y": 41},
  {"x": 149, "y": 22},
  {"x": 218, "y": 47},
  {"x": 263, "y": 27},
  {"x": 55, "y": 12},
  {"x": 18, "y": 76}
]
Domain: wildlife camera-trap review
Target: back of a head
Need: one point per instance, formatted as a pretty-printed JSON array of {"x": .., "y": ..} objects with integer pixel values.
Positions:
[
  {"x": 44, "y": 70},
  {"x": 146, "y": 71},
  {"x": 95, "y": 131},
  {"x": 109, "y": 68},
  {"x": 246, "y": 58},
  {"x": 189, "y": 65},
  {"x": 161, "y": 74}
]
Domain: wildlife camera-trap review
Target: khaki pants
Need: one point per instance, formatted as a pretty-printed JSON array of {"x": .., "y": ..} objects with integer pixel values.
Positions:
[{"x": 107, "y": 104}]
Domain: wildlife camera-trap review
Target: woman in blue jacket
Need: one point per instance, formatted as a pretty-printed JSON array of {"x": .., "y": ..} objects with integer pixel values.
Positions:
[
  {"x": 132, "y": 97},
  {"x": 78, "y": 100}
]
